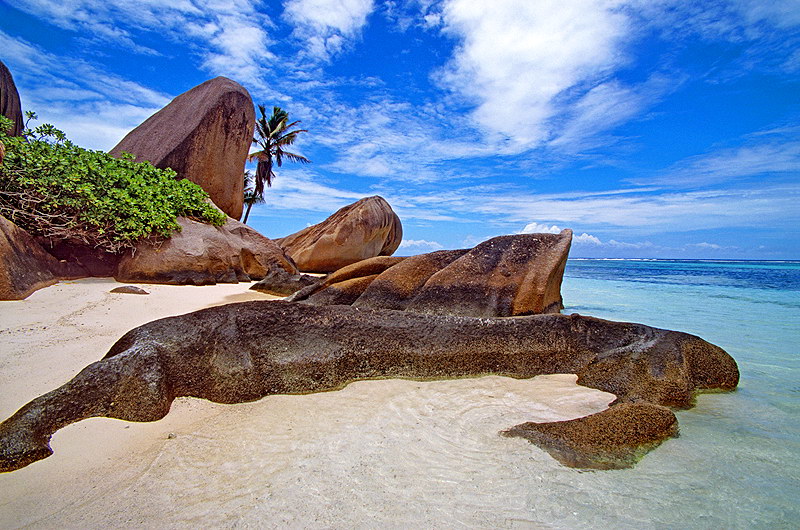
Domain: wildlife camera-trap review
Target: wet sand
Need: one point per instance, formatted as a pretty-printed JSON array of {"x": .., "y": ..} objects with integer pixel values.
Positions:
[{"x": 375, "y": 453}]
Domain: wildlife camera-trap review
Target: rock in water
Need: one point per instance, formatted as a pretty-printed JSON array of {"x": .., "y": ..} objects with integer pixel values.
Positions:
[
  {"x": 364, "y": 229},
  {"x": 24, "y": 265},
  {"x": 504, "y": 276},
  {"x": 242, "y": 352},
  {"x": 615, "y": 438},
  {"x": 10, "y": 106},
  {"x": 204, "y": 135},
  {"x": 203, "y": 254}
]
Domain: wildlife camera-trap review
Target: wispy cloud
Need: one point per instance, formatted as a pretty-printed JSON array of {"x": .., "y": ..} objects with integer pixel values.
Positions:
[
  {"x": 420, "y": 244},
  {"x": 94, "y": 108},
  {"x": 231, "y": 35},
  {"x": 757, "y": 157},
  {"x": 326, "y": 26}
]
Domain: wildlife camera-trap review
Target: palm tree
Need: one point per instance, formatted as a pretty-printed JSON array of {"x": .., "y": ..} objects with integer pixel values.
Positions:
[
  {"x": 250, "y": 197},
  {"x": 273, "y": 134}
]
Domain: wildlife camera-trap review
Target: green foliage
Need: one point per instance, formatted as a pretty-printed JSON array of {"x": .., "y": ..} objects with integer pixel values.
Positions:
[{"x": 55, "y": 189}]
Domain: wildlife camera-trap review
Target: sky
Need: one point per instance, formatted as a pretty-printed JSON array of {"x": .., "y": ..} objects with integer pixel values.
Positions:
[{"x": 651, "y": 128}]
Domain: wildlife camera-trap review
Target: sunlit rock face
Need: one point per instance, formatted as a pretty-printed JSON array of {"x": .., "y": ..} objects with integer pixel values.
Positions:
[
  {"x": 10, "y": 105},
  {"x": 364, "y": 229},
  {"x": 242, "y": 352},
  {"x": 504, "y": 276},
  {"x": 203, "y": 254},
  {"x": 24, "y": 265},
  {"x": 204, "y": 135}
]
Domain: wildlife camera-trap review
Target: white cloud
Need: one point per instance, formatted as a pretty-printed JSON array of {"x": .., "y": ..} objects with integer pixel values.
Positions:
[
  {"x": 586, "y": 239},
  {"x": 522, "y": 62},
  {"x": 233, "y": 41},
  {"x": 752, "y": 159},
  {"x": 421, "y": 244},
  {"x": 540, "y": 228},
  {"x": 327, "y": 25},
  {"x": 94, "y": 108}
]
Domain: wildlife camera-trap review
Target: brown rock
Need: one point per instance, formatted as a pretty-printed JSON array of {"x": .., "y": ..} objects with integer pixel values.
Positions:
[
  {"x": 24, "y": 265},
  {"x": 279, "y": 282},
  {"x": 204, "y": 135},
  {"x": 615, "y": 438},
  {"x": 128, "y": 289},
  {"x": 397, "y": 287},
  {"x": 505, "y": 276},
  {"x": 242, "y": 352},
  {"x": 364, "y": 229},
  {"x": 203, "y": 254},
  {"x": 9, "y": 101},
  {"x": 366, "y": 268}
]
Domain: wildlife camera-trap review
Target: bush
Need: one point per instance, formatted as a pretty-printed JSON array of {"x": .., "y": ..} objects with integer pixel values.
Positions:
[{"x": 55, "y": 189}]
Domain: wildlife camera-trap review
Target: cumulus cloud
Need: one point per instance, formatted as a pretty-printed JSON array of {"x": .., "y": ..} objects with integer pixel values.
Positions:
[
  {"x": 586, "y": 239},
  {"x": 522, "y": 62},
  {"x": 540, "y": 228},
  {"x": 327, "y": 25},
  {"x": 421, "y": 244}
]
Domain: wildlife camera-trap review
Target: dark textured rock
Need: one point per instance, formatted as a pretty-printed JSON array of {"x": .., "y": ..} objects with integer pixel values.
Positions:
[
  {"x": 242, "y": 352},
  {"x": 10, "y": 106},
  {"x": 203, "y": 254},
  {"x": 204, "y": 135},
  {"x": 505, "y": 276},
  {"x": 129, "y": 289},
  {"x": 364, "y": 229},
  {"x": 615, "y": 438},
  {"x": 24, "y": 265},
  {"x": 280, "y": 282},
  {"x": 81, "y": 261}
]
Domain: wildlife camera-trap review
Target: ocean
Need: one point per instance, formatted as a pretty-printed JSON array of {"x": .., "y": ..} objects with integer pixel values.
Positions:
[{"x": 736, "y": 463}]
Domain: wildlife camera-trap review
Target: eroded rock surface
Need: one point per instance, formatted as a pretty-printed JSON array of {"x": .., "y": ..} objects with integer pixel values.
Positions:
[
  {"x": 615, "y": 438},
  {"x": 242, "y": 352},
  {"x": 203, "y": 254},
  {"x": 504, "y": 276},
  {"x": 203, "y": 134},
  {"x": 10, "y": 106},
  {"x": 364, "y": 229},
  {"x": 24, "y": 265}
]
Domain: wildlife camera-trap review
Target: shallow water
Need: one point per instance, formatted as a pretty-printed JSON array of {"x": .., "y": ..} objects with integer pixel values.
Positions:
[
  {"x": 399, "y": 454},
  {"x": 737, "y": 462}
]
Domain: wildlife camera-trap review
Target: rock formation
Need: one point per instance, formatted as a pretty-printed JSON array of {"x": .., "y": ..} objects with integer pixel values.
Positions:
[
  {"x": 362, "y": 230},
  {"x": 24, "y": 265},
  {"x": 505, "y": 276},
  {"x": 615, "y": 438},
  {"x": 204, "y": 135},
  {"x": 203, "y": 254},
  {"x": 10, "y": 106},
  {"x": 242, "y": 352}
]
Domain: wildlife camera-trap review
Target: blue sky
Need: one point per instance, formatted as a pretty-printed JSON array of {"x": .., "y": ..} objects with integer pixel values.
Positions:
[{"x": 652, "y": 128}]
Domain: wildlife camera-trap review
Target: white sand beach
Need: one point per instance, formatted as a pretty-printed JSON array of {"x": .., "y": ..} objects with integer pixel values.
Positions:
[{"x": 378, "y": 452}]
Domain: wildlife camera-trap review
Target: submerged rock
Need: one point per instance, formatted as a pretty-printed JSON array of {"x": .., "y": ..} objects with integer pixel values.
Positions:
[
  {"x": 364, "y": 229},
  {"x": 203, "y": 134},
  {"x": 242, "y": 352},
  {"x": 504, "y": 276},
  {"x": 615, "y": 438}
]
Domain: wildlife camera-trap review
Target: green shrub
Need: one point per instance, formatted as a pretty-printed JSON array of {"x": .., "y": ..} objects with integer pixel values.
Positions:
[{"x": 55, "y": 189}]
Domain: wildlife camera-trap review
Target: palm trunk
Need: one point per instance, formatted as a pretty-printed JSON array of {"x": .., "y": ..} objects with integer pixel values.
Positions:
[{"x": 247, "y": 213}]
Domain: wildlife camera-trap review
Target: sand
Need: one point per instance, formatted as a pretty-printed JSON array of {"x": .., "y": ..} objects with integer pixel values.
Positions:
[{"x": 378, "y": 452}]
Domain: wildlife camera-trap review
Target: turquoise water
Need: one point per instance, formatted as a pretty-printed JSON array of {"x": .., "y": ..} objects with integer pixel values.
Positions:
[{"x": 737, "y": 461}]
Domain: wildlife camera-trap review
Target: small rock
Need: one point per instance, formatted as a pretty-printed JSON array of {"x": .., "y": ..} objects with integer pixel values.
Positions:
[
  {"x": 129, "y": 289},
  {"x": 171, "y": 436}
]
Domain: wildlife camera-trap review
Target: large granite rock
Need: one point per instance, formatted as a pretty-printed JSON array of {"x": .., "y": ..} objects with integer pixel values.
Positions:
[
  {"x": 505, "y": 276},
  {"x": 362, "y": 230},
  {"x": 203, "y": 254},
  {"x": 242, "y": 352},
  {"x": 24, "y": 265},
  {"x": 204, "y": 135},
  {"x": 10, "y": 106}
]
